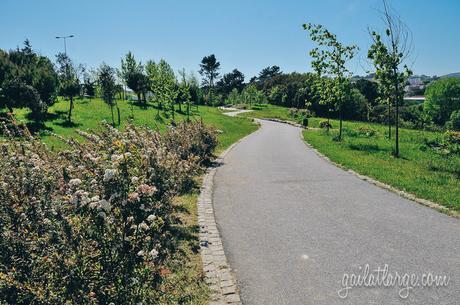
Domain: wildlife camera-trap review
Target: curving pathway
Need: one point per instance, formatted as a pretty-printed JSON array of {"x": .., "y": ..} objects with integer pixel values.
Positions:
[{"x": 292, "y": 225}]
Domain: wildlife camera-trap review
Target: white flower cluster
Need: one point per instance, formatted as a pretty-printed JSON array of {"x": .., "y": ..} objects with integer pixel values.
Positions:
[
  {"x": 153, "y": 254},
  {"x": 74, "y": 183},
  {"x": 109, "y": 174}
]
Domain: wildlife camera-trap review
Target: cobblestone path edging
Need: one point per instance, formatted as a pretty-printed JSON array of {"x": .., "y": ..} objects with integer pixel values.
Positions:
[{"x": 219, "y": 275}]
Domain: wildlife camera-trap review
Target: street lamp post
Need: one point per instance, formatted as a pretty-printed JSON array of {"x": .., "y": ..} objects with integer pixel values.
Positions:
[{"x": 64, "y": 38}]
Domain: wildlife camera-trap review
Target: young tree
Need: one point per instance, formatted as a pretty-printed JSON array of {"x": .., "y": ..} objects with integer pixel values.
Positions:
[
  {"x": 209, "y": 69},
  {"x": 68, "y": 80},
  {"x": 331, "y": 57},
  {"x": 107, "y": 82},
  {"x": 195, "y": 91},
  {"x": 388, "y": 54},
  {"x": 184, "y": 92},
  {"x": 132, "y": 74},
  {"x": 153, "y": 74},
  {"x": 168, "y": 85},
  {"x": 163, "y": 84},
  {"x": 251, "y": 95},
  {"x": 325, "y": 89},
  {"x": 89, "y": 83},
  {"x": 234, "y": 97}
]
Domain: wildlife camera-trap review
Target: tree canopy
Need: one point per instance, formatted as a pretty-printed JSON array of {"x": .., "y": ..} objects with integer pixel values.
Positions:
[
  {"x": 209, "y": 69},
  {"x": 230, "y": 81},
  {"x": 442, "y": 99},
  {"x": 107, "y": 82},
  {"x": 27, "y": 80}
]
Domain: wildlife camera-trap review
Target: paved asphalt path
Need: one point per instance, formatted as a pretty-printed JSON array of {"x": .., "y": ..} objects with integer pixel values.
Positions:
[
  {"x": 292, "y": 225},
  {"x": 234, "y": 111}
]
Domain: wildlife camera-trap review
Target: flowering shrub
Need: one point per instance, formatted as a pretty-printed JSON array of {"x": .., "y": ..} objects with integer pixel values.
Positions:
[
  {"x": 94, "y": 224},
  {"x": 300, "y": 115},
  {"x": 452, "y": 137},
  {"x": 448, "y": 144},
  {"x": 192, "y": 140},
  {"x": 10, "y": 127}
]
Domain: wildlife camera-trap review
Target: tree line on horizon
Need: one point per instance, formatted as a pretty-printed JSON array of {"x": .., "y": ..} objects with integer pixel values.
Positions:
[{"x": 30, "y": 80}]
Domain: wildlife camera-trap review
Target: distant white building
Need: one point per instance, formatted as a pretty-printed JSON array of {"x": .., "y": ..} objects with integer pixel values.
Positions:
[
  {"x": 415, "y": 98},
  {"x": 415, "y": 81}
]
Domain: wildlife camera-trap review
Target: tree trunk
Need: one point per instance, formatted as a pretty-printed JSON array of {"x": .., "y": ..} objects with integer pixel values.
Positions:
[
  {"x": 119, "y": 117},
  {"x": 69, "y": 118},
  {"x": 113, "y": 119},
  {"x": 368, "y": 112},
  {"x": 389, "y": 119},
  {"x": 132, "y": 110},
  {"x": 138, "y": 97},
  {"x": 188, "y": 110},
  {"x": 397, "y": 128},
  {"x": 340, "y": 122},
  {"x": 210, "y": 93}
]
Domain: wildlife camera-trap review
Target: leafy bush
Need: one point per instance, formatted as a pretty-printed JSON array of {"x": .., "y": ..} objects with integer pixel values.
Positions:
[
  {"x": 452, "y": 137},
  {"x": 9, "y": 127},
  {"x": 449, "y": 143},
  {"x": 454, "y": 122},
  {"x": 293, "y": 112},
  {"x": 361, "y": 131},
  {"x": 94, "y": 224},
  {"x": 442, "y": 99},
  {"x": 325, "y": 124},
  {"x": 299, "y": 115}
]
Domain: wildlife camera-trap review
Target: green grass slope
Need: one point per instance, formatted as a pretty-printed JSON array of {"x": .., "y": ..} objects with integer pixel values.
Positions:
[{"x": 88, "y": 114}]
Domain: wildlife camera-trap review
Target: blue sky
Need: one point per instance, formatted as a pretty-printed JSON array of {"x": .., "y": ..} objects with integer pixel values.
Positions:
[{"x": 243, "y": 34}]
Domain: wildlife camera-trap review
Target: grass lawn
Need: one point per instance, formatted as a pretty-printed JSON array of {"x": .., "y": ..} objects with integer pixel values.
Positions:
[
  {"x": 419, "y": 170},
  {"x": 184, "y": 279},
  {"x": 184, "y": 283},
  {"x": 88, "y": 113},
  {"x": 267, "y": 111}
]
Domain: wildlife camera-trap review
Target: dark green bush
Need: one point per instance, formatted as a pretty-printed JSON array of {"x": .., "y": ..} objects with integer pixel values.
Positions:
[{"x": 454, "y": 122}]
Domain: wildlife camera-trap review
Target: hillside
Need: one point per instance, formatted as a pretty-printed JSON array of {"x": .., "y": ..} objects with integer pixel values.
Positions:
[
  {"x": 457, "y": 74},
  {"x": 89, "y": 113}
]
